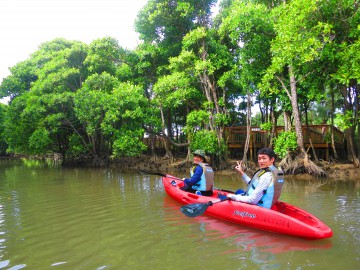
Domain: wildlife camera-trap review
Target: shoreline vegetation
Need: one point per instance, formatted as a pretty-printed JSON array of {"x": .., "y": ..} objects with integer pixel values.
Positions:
[
  {"x": 343, "y": 171},
  {"x": 334, "y": 170}
]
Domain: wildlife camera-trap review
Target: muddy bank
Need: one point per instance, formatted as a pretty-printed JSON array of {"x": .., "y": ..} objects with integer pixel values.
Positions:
[{"x": 178, "y": 166}]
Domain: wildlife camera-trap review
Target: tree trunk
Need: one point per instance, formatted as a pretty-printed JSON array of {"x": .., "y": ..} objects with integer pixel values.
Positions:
[
  {"x": 168, "y": 153},
  {"x": 313, "y": 150},
  {"x": 349, "y": 135},
  {"x": 210, "y": 89},
  {"x": 152, "y": 139},
  {"x": 356, "y": 117},
  {"x": 296, "y": 114},
  {"x": 273, "y": 126},
  {"x": 248, "y": 130},
  {"x": 302, "y": 160},
  {"x": 350, "y": 132},
  {"x": 287, "y": 121},
  {"x": 332, "y": 126}
]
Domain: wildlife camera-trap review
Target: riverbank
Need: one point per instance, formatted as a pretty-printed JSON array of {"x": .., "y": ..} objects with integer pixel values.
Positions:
[{"x": 178, "y": 166}]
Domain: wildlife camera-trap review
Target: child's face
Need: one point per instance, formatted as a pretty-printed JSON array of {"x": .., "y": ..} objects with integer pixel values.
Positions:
[{"x": 197, "y": 159}]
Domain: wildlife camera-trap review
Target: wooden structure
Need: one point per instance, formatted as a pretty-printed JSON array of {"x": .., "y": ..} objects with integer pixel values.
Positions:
[{"x": 317, "y": 135}]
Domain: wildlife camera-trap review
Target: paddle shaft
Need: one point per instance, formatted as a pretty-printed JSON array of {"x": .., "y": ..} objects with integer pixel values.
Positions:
[
  {"x": 177, "y": 178},
  {"x": 161, "y": 174},
  {"x": 226, "y": 190},
  {"x": 210, "y": 203}
]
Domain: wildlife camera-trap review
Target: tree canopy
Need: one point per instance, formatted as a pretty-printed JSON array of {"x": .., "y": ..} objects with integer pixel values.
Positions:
[{"x": 194, "y": 74}]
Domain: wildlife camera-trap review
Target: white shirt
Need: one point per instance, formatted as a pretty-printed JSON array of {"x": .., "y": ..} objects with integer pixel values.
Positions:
[{"x": 255, "y": 197}]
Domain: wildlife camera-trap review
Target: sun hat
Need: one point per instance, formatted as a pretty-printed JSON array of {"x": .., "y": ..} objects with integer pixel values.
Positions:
[{"x": 200, "y": 153}]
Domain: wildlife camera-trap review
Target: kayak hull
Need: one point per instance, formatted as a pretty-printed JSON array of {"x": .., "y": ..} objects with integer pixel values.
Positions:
[{"x": 282, "y": 218}]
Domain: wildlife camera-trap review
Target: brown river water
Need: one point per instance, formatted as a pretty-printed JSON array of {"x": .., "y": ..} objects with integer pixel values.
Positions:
[{"x": 82, "y": 218}]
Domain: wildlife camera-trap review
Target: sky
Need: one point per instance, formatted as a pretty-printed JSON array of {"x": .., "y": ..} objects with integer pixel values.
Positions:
[{"x": 26, "y": 24}]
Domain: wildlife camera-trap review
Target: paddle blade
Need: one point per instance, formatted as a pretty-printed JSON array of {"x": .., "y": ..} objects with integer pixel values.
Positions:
[{"x": 194, "y": 210}]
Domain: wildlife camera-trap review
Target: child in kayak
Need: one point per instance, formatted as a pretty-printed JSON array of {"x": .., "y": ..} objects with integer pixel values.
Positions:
[
  {"x": 201, "y": 179},
  {"x": 264, "y": 188}
]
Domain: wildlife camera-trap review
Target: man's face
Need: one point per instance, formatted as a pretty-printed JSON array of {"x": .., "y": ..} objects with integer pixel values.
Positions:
[{"x": 265, "y": 161}]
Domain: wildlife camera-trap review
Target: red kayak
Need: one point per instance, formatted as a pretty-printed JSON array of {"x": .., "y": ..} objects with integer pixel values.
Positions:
[{"x": 282, "y": 218}]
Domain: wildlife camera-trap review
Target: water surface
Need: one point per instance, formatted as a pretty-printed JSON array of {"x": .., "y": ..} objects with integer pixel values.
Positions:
[{"x": 81, "y": 218}]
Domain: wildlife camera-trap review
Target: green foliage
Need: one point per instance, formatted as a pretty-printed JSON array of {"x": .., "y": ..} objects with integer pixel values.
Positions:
[
  {"x": 18, "y": 126},
  {"x": 266, "y": 126},
  {"x": 128, "y": 143},
  {"x": 63, "y": 113},
  {"x": 102, "y": 53},
  {"x": 344, "y": 121},
  {"x": 165, "y": 23},
  {"x": 91, "y": 101},
  {"x": 221, "y": 119},
  {"x": 285, "y": 142},
  {"x": 327, "y": 137},
  {"x": 3, "y": 144},
  {"x": 207, "y": 140},
  {"x": 174, "y": 90},
  {"x": 23, "y": 74},
  {"x": 350, "y": 61},
  {"x": 39, "y": 141},
  {"x": 76, "y": 148},
  {"x": 249, "y": 28},
  {"x": 59, "y": 66},
  {"x": 196, "y": 120},
  {"x": 127, "y": 112}
]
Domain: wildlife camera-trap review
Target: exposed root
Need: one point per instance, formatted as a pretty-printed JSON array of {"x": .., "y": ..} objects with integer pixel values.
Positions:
[
  {"x": 168, "y": 159},
  {"x": 154, "y": 158},
  {"x": 297, "y": 164},
  {"x": 313, "y": 169}
]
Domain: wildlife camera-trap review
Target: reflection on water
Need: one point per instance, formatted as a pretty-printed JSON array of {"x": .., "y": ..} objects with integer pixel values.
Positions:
[{"x": 81, "y": 218}]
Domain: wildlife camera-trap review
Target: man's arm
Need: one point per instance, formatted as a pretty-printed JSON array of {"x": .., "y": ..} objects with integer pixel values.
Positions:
[{"x": 256, "y": 196}]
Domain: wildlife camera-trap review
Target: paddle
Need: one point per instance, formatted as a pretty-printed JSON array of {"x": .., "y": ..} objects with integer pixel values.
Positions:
[
  {"x": 160, "y": 174},
  {"x": 239, "y": 191},
  {"x": 226, "y": 190},
  {"x": 196, "y": 209}
]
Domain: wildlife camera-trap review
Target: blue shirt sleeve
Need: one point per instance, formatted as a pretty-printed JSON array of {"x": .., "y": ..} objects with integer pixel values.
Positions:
[{"x": 196, "y": 176}]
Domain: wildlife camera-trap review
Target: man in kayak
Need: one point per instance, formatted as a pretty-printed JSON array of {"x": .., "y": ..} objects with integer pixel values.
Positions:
[
  {"x": 201, "y": 179},
  {"x": 264, "y": 188}
]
